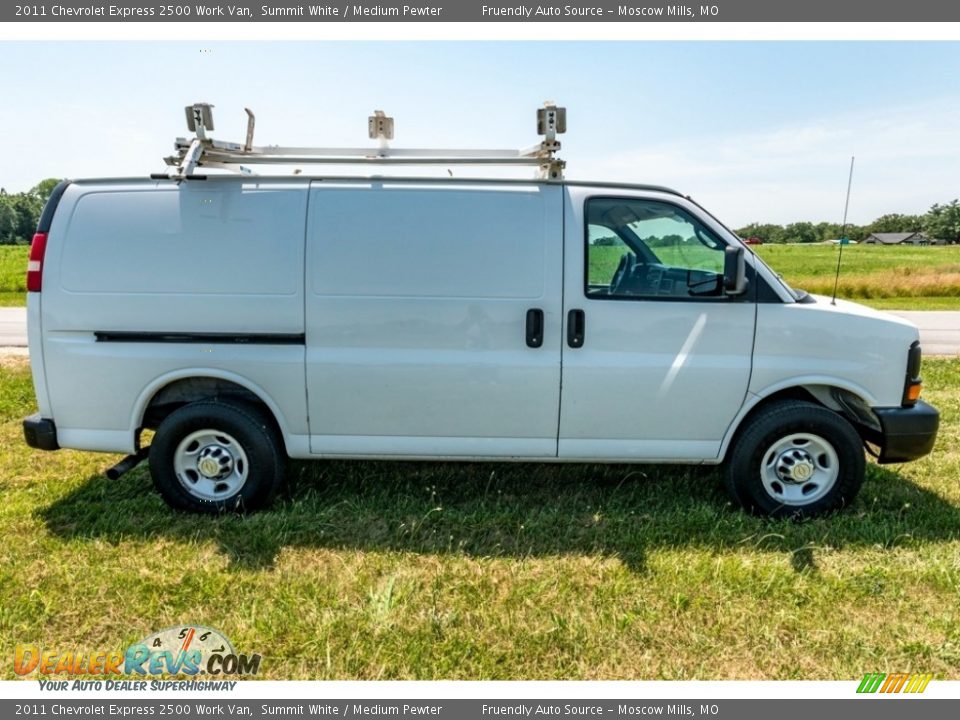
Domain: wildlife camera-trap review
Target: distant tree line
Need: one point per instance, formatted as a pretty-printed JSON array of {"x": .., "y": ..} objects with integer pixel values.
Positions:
[
  {"x": 652, "y": 241},
  {"x": 20, "y": 212},
  {"x": 940, "y": 222}
]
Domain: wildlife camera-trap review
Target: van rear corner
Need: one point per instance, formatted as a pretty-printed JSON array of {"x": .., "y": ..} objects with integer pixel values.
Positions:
[
  {"x": 40, "y": 433},
  {"x": 39, "y": 430}
]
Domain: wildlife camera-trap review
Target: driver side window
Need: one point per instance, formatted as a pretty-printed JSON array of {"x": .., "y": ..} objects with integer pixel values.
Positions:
[{"x": 649, "y": 249}]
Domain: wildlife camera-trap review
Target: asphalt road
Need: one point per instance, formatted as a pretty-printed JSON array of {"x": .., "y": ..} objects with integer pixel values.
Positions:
[
  {"x": 939, "y": 329},
  {"x": 13, "y": 327}
]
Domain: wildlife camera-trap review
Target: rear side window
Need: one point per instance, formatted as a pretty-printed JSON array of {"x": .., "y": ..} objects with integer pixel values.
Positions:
[
  {"x": 404, "y": 241},
  {"x": 204, "y": 239}
]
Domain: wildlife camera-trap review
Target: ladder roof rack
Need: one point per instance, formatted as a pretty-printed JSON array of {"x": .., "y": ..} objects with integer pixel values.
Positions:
[{"x": 203, "y": 151}]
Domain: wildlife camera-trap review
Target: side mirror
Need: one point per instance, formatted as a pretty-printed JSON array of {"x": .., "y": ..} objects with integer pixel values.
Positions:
[{"x": 734, "y": 271}]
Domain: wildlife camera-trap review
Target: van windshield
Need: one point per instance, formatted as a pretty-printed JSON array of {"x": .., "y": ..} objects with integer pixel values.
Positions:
[{"x": 796, "y": 294}]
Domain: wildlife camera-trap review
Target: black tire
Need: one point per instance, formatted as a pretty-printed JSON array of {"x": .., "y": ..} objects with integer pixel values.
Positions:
[
  {"x": 239, "y": 437},
  {"x": 759, "y": 472}
]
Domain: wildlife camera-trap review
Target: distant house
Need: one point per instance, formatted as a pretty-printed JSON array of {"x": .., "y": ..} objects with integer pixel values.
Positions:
[{"x": 903, "y": 238}]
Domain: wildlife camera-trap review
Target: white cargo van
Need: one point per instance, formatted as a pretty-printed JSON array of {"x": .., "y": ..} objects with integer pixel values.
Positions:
[{"x": 248, "y": 319}]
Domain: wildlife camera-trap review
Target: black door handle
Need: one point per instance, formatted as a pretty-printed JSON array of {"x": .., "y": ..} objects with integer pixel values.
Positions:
[
  {"x": 576, "y": 326},
  {"x": 534, "y": 327}
]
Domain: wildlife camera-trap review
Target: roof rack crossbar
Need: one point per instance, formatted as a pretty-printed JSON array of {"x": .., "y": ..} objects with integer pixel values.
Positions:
[{"x": 204, "y": 151}]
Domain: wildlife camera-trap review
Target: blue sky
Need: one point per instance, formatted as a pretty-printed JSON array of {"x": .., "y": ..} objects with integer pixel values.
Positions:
[{"x": 753, "y": 130}]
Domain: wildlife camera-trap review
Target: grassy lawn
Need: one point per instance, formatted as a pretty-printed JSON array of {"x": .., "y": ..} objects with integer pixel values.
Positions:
[
  {"x": 13, "y": 274},
  {"x": 497, "y": 571},
  {"x": 13, "y": 299},
  {"x": 913, "y": 303},
  {"x": 906, "y": 278}
]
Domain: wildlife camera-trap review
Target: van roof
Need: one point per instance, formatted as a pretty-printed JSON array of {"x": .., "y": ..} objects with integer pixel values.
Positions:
[{"x": 380, "y": 178}]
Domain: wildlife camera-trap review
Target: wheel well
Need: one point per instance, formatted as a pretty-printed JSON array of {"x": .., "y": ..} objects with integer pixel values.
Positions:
[
  {"x": 187, "y": 390},
  {"x": 823, "y": 395}
]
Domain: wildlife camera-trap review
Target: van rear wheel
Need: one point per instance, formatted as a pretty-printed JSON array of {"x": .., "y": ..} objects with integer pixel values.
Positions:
[
  {"x": 795, "y": 459},
  {"x": 213, "y": 457}
]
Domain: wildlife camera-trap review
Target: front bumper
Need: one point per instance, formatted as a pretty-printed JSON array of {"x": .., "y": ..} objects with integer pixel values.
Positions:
[
  {"x": 906, "y": 433},
  {"x": 40, "y": 433}
]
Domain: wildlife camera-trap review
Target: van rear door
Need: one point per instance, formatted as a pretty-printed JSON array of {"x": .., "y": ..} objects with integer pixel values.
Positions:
[
  {"x": 433, "y": 317},
  {"x": 147, "y": 282}
]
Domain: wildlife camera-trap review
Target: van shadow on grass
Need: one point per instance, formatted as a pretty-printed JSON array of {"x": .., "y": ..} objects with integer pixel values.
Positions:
[{"x": 503, "y": 510}]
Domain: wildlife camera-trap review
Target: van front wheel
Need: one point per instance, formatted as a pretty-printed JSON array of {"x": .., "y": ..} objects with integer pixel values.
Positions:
[
  {"x": 795, "y": 459},
  {"x": 213, "y": 457}
]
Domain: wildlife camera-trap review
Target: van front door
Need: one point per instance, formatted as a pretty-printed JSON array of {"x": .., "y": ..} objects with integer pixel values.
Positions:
[
  {"x": 433, "y": 319},
  {"x": 656, "y": 359}
]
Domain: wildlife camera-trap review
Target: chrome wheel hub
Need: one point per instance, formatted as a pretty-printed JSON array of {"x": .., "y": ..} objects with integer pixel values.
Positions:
[
  {"x": 211, "y": 465},
  {"x": 799, "y": 469},
  {"x": 215, "y": 462},
  {"x": 795, "y": 466}
]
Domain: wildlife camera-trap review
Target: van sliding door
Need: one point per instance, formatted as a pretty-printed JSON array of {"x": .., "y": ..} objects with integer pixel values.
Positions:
[{"x": 433, "y": 316}]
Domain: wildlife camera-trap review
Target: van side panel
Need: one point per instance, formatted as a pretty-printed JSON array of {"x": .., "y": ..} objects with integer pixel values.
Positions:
[
  {"x": 417, "y": 304},
  {"x": 214, "y": 256},
  {"x": 194, "y": 270},
  {"x": 839, "y": 345}
]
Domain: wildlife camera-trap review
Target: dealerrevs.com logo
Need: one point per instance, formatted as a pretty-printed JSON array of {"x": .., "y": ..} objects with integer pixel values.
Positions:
[{"x": 182, "y": 650}]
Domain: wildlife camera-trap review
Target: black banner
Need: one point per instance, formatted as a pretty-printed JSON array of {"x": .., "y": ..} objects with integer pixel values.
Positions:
[
  {"x": 480, "y": 11},
  {"x": 874, "y": 708}
]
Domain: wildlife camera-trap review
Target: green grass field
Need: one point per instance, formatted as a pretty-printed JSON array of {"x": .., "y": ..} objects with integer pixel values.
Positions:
[
  {"x": 13, "y": 274},
  {"x": 491, "y": 571},
  {"x": 908, "y": 278}
]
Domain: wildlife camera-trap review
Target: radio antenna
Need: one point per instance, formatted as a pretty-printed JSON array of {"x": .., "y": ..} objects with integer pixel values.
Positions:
[{"x": 843, "y": 232}]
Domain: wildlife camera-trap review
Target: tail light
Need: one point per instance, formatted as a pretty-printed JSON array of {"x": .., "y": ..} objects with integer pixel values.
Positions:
[
  {"x": 913, "y": 383},
  {"x": 35, "y": 265}
]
